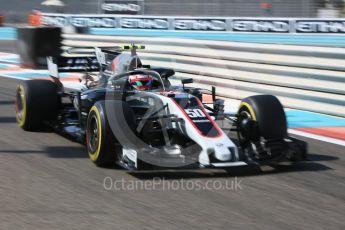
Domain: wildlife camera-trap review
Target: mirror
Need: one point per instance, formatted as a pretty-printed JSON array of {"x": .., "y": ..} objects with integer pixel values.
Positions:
[{"x": 187, "y": 81}]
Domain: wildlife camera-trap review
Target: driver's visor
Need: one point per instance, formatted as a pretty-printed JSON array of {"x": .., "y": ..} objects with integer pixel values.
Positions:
[{"x": 141, "y": 82}]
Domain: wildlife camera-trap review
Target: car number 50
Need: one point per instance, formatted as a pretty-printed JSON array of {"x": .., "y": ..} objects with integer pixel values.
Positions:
[{"x": 195, "y": 113}]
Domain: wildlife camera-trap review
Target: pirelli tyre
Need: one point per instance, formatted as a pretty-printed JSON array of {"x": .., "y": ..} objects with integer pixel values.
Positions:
[
  {"x": 102, "y": 146},
  {"x": 36, "y": 102},
  {"x": 267, "y": 113},
  {"x": 262, "y": 127}
]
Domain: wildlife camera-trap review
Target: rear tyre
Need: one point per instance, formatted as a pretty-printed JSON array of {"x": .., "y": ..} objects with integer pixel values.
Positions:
[{"x": 36, "y": 101}]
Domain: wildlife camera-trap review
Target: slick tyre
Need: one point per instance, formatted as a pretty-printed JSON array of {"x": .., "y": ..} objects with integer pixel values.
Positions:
[
  {"x": 262, "y": 116},
  {"x": 102, "y": 146},
  {"x": 36, "y": 101}
]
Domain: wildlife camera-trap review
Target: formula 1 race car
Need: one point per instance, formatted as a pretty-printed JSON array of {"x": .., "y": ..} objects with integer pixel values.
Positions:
[{"x": 130, "y": 114}]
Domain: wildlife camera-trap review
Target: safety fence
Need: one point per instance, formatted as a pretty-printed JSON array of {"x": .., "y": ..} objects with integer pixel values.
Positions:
[
  {"x": 303, "y": 77},
  {"x": 215, "y": 24}
]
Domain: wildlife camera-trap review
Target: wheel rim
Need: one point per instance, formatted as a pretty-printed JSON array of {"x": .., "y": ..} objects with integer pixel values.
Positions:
[
  {"x": 20, "y": 106},
  {"x": 93, "y": 134},
  {"x": 243, "y": 115}
]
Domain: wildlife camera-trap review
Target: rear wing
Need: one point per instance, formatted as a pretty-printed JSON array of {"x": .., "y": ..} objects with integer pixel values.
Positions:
[
  {"x": 91, "y": 61},
  {"x": 61, "y": 64},
  {"x": 94, "y": 59},
  {"x": 109, "y": 53}
]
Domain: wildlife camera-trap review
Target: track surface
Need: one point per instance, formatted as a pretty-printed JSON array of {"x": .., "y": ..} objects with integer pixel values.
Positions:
[{"x": 47, "y": 182}]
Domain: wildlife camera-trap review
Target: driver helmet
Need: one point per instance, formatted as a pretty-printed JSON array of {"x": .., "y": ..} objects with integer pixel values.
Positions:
[{"x": 141, "y": 81}]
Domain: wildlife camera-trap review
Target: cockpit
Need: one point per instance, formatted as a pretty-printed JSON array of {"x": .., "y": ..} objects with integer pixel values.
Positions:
[
  {"x": 147, "y": 80},
  {"x": 127, "y": 69}
]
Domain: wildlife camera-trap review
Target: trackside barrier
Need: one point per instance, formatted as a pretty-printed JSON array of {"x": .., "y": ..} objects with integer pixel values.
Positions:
[
  {"x": 303, "y": 77},
  {"x": 180, "y": 23}
]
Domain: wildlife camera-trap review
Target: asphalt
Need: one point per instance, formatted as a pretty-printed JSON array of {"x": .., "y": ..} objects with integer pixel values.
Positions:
[{"x": 48, "y": 182}]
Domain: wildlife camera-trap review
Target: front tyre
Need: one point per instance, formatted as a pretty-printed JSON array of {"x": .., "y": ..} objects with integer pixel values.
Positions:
[
  {"x": 100, "y": 141},
  {"x": 262, "y": 128},
  {"x": 104, "y": 148}
]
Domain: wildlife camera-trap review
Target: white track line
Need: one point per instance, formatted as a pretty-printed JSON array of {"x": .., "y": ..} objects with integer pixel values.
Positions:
[
  {"x": 317, "y": 137},
  {"x": 8, "y": 76}
]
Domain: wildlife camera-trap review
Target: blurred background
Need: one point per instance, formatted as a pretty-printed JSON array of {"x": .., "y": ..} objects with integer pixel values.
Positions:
[
  {"x": 278, "y": 47},
  {"x": 16, "y": 11}
]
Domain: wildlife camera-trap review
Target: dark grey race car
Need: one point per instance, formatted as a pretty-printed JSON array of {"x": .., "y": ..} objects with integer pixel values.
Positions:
[{"x": 164, "y": 126}]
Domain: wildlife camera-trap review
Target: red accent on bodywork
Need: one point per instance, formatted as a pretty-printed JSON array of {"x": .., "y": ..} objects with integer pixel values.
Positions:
[{"x": 220, "y": 133}]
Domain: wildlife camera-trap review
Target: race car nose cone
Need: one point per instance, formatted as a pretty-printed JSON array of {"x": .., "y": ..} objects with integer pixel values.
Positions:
[{"x": 222, "y": 153}]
